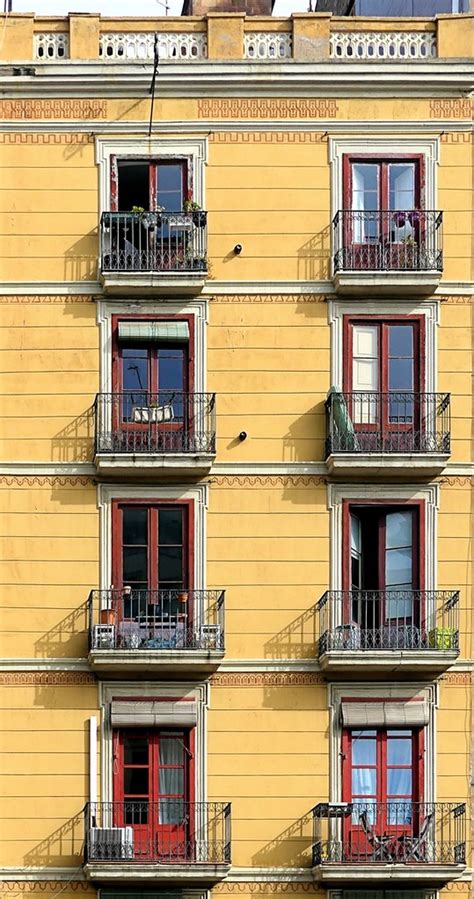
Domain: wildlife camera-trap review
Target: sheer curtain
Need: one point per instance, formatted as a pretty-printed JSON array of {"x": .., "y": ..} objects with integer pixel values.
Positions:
[{"x": 171, "y": 786}]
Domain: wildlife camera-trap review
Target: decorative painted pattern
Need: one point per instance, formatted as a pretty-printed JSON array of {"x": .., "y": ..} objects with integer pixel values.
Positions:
[
  {"x": 268, "y": 481},
  {"x": 266, "y": 679},
  {"x": 51, "y": 45},
  {"x": 45, "y": 886},
  {"x": 46, "y": 481},
  {"x": 50, "y": 678},
  {"x": 268, "y": 45},
  {"x": 382, "y": 45},
  {"x": 268, "y": 137},
  {"x": 23, "y": 137},
  {"x": 236, "y": 108},
  {"x": 132, "y": 45},
  {"x": 53, "y": 109},
  {"x": 262, "y": 299},
  {"x": 457, "y": 137},
  {"x": 47, "y": 300},
  {"x": 266, "y": 887},
  {"x": 450, "y": 109}
]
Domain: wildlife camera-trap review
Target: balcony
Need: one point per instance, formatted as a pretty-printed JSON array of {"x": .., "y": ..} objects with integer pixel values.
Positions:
[
  {"x": 389, "y": 632},
  {"x": 174, "y": 633},
  {"x": 397, "y": 434},
  {"x": 387, "y": 252},
  {"x": 158, "y": 434},
  {"x": 153, "y": 253},
  {"x": 364, "y": 842},
  {"x": 170, "y": 842}
]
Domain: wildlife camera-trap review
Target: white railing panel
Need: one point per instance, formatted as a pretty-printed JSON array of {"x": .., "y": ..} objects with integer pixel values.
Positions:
[
  {"x": 382, "y": 45},
  {"x": 140, "y": 45},
  {"x": 51, "y": 45},
  {"x": 267, "y": 45}
]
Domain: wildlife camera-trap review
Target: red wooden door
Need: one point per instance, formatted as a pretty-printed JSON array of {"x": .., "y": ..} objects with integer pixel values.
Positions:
[
  {"x": 382, "y": 778},
  {"x": 151, "y": 792}
]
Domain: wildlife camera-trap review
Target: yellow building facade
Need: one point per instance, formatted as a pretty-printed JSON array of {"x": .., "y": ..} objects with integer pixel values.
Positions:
[{"x": 236, "y": 455}]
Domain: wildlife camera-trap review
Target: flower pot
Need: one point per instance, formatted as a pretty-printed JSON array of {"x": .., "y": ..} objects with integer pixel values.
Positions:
[
  {"x": 199, "y": 218},
  {"x": 183, "y": 596}
]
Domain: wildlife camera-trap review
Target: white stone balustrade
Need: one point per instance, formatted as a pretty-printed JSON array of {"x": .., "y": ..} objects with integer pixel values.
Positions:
[
  {"x": 129, "y": 46},
  {"x": 269, "y": 45},
  {"x": 51, "y": 45},
  {"x": 381, "y": 45}
]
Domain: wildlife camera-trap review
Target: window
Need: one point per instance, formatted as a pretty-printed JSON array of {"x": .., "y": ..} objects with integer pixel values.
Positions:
[
  {"x": 149, "y": 184},
  {"x": 405, "y": 8},
  {"x": 152, "y": 781},
  {"x": 152, "y": 573},
  {"x": 383, "y": 598},
  {"x": 386, "y": 193},
  {"x": 382, "y": 777},
  {"x": 153, "y": 405}
]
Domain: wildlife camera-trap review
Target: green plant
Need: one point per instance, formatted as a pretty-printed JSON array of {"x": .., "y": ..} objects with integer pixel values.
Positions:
[
  {"x": 443, "y": 638},
  {"x": 138, "y": 209},
  {"x": 190, "y": 206}
]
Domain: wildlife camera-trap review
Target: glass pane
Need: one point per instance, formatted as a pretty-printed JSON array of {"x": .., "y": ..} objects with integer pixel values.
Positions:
[
  {"x": 135, "y": 369},
  {"x": 171, "y": 751},
  {"x": 398, "y": 567},
  {"x": 172, "y": 811},
  {"x": 363, "y": 781},
  {"x": 135, "y": 751},
  {"x": 136, "y": 812},
  {"x": 400, "y": 340},
  {"x": 355, "y": 534},
  {"x": 423, "y": 8},
  {"x": 398, "y": 529},
  {"x": 399, "y": 751},
  {"x": 399, "y": 603},
  {"x": 170, "y": 564},
  {"x": 135, "y": 526},
  {"x": 170, "y": 369},
  {"x": 399, "y": 782},
  {"x": 399, "y": 813},
  {"x": 170, "y": 190},
  {"x": 170, "y": 523},
  {"x": 364, "y": 752},
  {"x": 135, "y": 566},
  {"x": 136, "y": 781},
  {"x": 171, "y": 782},
  {"x": 400, "y": 377},
  {"x": 401, "y": 185}
]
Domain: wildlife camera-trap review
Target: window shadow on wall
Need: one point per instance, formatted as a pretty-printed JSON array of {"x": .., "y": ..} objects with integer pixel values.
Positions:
[
  {"x": 81, "y": 258},
  {"x": 75, "y": 442},
  {"x": 291, "y": 847},
  {"x": 314, "y": 257},
  {"x": 68, "y": 638},
  {"x": 305, "y": 438},
  {"x": 295, "y": 641}
]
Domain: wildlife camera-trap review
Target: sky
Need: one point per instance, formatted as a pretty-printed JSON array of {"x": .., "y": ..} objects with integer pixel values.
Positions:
[{"x": 125, "y": 8}]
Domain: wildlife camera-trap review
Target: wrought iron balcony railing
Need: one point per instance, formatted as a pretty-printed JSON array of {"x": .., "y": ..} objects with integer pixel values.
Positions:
[
  {"x": 170, "y": 421},
  {"x": 386, "y": 240},
  {"x": 154, "y": 242},
  {"x": 395, "y": 422},
  {"x": 168, "y": 832},
  {"x": 395, "y": 832},
  {"x": 378, "y": 620},
  {"x": 130, "y": 619}
]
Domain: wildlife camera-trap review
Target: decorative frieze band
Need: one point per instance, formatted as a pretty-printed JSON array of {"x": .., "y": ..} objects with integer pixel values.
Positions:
[
  {"x": 268, "y": 137},
  {"x": 46, "y": 481},
  {"x": 281, "y": 887},
  {"x": 237, "y": 108},
  {"x": 267, "y": 679},
  {"x": 450, "y": 109},
  {"x": 48, "y": 139},
  {"x": 45, "y": 886},
  {"x": 457, "y": 137},
  {"x": 53, "y": 109},
  {"x": 268, "y": 481},
  {"x": 270, "y": 298},
  {"x": 47, "y": 300},
  {"x": 47, "y": 678}
]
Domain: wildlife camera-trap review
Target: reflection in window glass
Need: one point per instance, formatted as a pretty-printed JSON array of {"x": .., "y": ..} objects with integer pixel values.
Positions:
[{"x": 409, "y": 7}]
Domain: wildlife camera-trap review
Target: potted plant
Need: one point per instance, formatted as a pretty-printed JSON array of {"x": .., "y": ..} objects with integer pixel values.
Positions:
[{"x": 199, "y": 216}]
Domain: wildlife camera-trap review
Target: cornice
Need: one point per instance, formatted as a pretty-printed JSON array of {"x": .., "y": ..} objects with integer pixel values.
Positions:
[{"x": 77, "y": 78}]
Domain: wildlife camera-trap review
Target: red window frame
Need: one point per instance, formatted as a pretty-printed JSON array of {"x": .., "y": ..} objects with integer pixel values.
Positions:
[
  {"x": 383, "y": 161},
  {"x": 149, "y": 834},
  {"x": 154, "y": 506},
  {"x": 384, "y": 321},
  {"x": 153, "y": 164},
  {"x": 116, "y": 357},
  {"x": 355, "y": 839},
  {"x": 385, "y": 505}
]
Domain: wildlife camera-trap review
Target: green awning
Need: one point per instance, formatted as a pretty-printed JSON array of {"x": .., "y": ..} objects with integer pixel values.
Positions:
[{"x": 167, "y": 332}]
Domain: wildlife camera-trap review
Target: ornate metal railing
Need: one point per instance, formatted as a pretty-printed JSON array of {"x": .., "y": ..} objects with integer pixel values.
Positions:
[
  {"x": 171, "y": 831},
  {"x": 396, "y": 422},
  {"x": 154, "y": 241},
  {"x": 270, "y": 45},
  {"x": 395, "y": 833},
  {"x": 385, "y": 240},
  {"x": 170, "y": 421},
  {"x": 377, "y": 620},
  {"x": 137, "y": 45},
  {"x": 129, "y": 619},
  {"x": 382, "y": 45}
]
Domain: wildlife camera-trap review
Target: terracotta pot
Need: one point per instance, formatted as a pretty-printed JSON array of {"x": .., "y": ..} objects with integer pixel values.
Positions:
[{"x": 183, "y": 597}]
